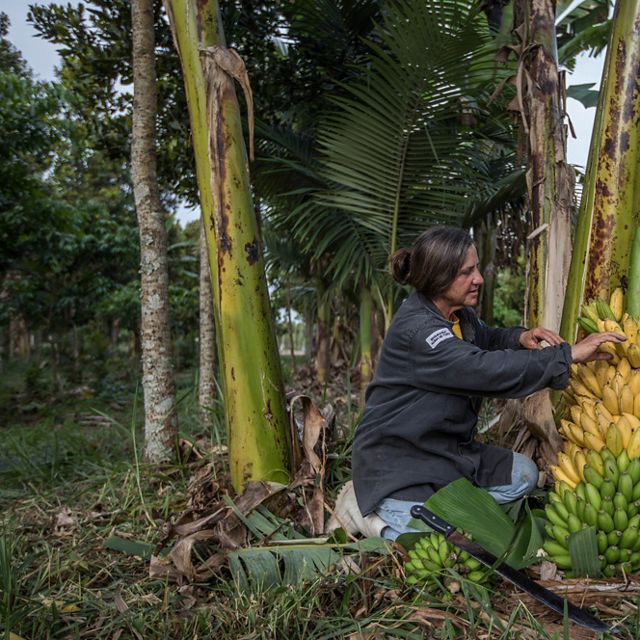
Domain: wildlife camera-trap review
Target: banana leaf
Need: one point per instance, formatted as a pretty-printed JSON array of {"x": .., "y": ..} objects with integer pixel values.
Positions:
[
  {"x": 474, "y": 511},
  {"x": 583, "y": 550}
]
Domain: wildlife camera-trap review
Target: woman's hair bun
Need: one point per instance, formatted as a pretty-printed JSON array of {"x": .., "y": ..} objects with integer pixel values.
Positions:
[{"x": 401, "y": 266}]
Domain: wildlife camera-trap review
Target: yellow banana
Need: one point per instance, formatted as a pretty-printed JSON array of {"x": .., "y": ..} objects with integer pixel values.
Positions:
[
  {"x": 630, "y": 327},
  {"x": 634, "y": 382},
  {"x": 614, "y": 440},
  {"x": 603, "y": 424},
  {"x": 570, "y": 449},
  {"x": 566, "y": 465},
  {"x": 625, "y": 429},
  {"x": 626, "y": 399},
  {"x": 601, "y": 370},
  {"x": 633, "y": 421},
  {"x": 616, "y": 303},
  {"x": 579, "y": 389},
  {"x": 592, "y": 441},
  {"x": 613, "y": 326},
  {"x": 601, "y": 409},
  {"x": 577, "y": 435},
  {"x": 633, "y": 448},
  {"x": 633, "y": 353},
  {"x": 610, "y": 400},
  {"x": 579, "y": 461},
  {"x": 607, "y": 347},
  {"x": 624, "y": 369},
  {"x": 576, "y": 413},
  {"x": 611, "y": 370},
  {"x": 617, "y": 383},
  {"x": 588, "y": 406},
  {"x": 590, "y": 426},
  {"x": 636, "y": 405},
  {"x": 561, "y": 476}
]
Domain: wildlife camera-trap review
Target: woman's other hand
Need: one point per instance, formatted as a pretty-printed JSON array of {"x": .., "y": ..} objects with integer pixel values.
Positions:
[
  {"x": 533, "y": 338},
  {"x": 587, "y": 349}
]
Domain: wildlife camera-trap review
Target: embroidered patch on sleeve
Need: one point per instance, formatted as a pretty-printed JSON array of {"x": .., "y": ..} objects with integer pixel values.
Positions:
[{"x": 438, "y": 336}]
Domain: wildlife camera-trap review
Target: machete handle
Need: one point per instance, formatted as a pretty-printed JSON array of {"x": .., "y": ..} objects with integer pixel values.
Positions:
[{"x": 431, "y": 519}]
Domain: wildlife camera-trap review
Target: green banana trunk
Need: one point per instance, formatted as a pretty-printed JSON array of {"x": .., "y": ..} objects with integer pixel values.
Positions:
[
  {"x": 251, "y": 373},
  {"x": 608, "y": 218}
]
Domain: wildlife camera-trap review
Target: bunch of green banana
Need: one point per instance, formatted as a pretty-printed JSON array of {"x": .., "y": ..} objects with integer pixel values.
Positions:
[
  {"x": 433, "y": 555},
  {"x": 606, "y": 497}
]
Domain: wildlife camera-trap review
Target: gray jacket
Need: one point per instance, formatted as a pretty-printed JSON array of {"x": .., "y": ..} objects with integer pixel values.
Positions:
[{"x": 418, "y": 428}]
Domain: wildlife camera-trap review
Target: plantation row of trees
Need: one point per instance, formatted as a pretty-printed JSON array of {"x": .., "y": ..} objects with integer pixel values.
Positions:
[{"x": 373, "y": 120}]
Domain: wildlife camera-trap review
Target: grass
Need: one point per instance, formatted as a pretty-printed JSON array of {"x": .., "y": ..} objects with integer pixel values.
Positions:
[{"x": 68, "y": 484}]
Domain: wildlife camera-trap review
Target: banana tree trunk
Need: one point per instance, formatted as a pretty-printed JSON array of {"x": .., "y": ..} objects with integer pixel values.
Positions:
[
  {"x": 608, "y": 218},
  {"x": 251, "y": 374},
  {"x": 550, "y": 184},
  {"x": 550, "y": 180}
]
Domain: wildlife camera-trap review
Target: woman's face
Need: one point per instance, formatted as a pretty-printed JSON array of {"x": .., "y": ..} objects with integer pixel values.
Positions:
[{"x": 464, "y": 290}]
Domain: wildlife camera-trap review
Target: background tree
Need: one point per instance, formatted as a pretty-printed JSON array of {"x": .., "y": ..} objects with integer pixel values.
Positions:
[{"x": 157, "y": 380}]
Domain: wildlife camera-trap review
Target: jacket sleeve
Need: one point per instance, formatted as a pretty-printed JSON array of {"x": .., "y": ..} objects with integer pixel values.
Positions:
[
  {"x": 442, "y": 363},
  {"x": 492, "y": 338}
]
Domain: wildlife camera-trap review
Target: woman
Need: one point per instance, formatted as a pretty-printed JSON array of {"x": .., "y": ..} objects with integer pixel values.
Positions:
[{"x": 438, "y": 360}]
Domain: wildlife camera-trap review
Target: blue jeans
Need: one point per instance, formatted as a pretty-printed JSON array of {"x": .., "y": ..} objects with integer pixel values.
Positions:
[{"x": 524, "y": 478}]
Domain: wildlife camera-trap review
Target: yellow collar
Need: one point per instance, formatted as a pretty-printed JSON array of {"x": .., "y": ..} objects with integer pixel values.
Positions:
[{"x": 457, "y": 331}]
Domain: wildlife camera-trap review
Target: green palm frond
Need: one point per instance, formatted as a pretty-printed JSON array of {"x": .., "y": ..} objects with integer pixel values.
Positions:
[
  {"x": 394, "y": 152},
  {"x": 585, "y": 28}
]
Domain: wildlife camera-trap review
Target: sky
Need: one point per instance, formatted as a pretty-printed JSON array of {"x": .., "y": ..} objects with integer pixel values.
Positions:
[{"x": 43, "y": 58}]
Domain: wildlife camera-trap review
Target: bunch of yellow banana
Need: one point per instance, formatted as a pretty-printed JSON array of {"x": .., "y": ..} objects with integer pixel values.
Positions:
[
  {"x": 598, "y": 472},
  {"x": 604, "y": 493},
  {"x": 432, "y": 556}
]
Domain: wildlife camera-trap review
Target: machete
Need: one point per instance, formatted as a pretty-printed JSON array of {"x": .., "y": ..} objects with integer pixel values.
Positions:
[{"x": 548, "y": 598}]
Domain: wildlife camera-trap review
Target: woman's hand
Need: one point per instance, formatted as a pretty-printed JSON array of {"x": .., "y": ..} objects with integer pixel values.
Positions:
[
  {"x": 587, "y": 349},
  {"x": 533, "y": 338}
]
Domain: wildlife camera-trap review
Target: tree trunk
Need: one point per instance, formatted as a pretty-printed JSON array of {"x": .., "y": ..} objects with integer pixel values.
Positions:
[
  {"x": 366, "y": 366},
  {"x": 550, "y": 180},
  {"x": 608, "y": 213},
  {"x": 550, "y": 183},
  {"x": 252, "y": 381},
  {"x": 207, "y": 383},
  {"x": 323, "y": 352},
  {"x": 157, "y": 375},
  {"x": 292, "y": 343}
]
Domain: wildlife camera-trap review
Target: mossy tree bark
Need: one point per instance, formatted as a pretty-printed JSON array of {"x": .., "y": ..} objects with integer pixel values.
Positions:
[
  {"x": 157, "y": 373},
  {"x": 207, "y": 339}
]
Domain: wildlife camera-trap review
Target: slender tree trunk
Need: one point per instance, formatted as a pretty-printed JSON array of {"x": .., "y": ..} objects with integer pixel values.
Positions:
[
  {"x": 292, "y": 344},
  {"x": 157, "y": 375},
  {"x": 366, "y": 366},
  {"x": 207, "y": 383},
  {"x": 309, "y": 324},
  {"x": 252, "y": 381},
  {"x": 323, "y": 351},
  {"x": 488, "y": 270}
]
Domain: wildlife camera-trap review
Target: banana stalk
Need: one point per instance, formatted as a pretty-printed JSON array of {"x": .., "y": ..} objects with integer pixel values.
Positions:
[
  {"x": 252, "y": 379},
  {"x": 607, "y": 217}
]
